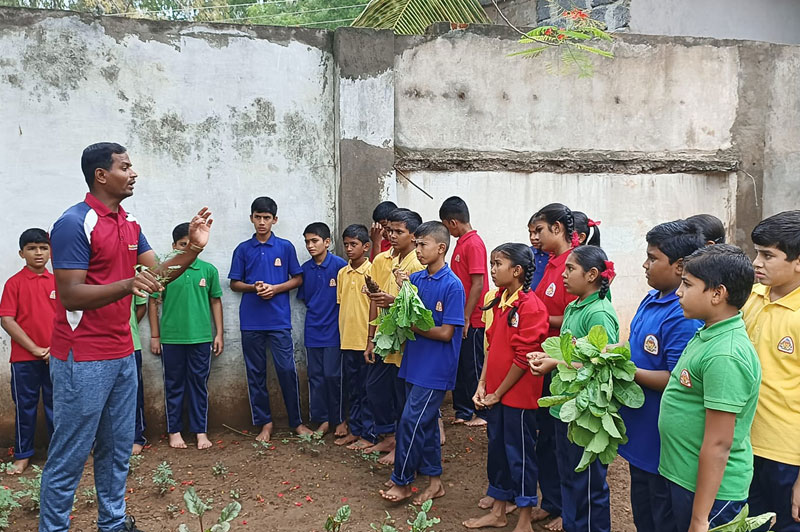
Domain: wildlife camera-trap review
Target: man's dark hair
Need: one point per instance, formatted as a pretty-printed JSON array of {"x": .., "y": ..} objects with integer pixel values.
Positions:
[
  {"x": 264, "y": 204},
  {"x": 411, "y": 219},
  {"x": 318, "y": 228},
  {"x": 711, "y": 227},
  {"x": 454, "y": 208},
  {"x": 33, "y": 235},
  {"x": 180, "y": 231},
  {"x": 357, "y": 231},
  {"x": 723, "y": 265},
  {"x": 782, "y": 231},
  {"x": 382, "y": 210},
  {"x": 435, "y": 230},
  {"x": 676, "y": 239},
  {"x": 98, "y": 156}
]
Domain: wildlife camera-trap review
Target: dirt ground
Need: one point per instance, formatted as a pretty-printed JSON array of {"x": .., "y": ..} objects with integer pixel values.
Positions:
[{"x": 296, "y": 485}]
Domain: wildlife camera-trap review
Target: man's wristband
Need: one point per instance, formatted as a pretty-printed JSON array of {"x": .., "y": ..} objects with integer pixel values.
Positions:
[{"x": 194, "y": 247}]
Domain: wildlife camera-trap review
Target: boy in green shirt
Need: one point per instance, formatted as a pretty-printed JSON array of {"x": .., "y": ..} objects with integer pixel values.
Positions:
[
  {"x": 185, "y": 343},
  {"x": 708, "y": 405},
  {"x": 138, "y": 310}
]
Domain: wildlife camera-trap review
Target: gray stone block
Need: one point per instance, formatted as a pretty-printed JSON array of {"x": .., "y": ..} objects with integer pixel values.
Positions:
[
  {"x": 618, "y": 17},
  {"x": 596, "y": 3}
]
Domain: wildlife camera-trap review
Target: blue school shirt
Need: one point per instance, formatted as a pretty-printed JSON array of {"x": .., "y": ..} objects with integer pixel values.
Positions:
[
  {"x": 540, "y": 259},
  {"x": 431, "y": 363},
  {"x": 659, "y": 334},
  {"x": 272, "y": 262},
  {"x": 318, "y": 291}
]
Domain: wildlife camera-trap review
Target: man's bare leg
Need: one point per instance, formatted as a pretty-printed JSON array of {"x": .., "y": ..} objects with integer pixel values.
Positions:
[
  {"x": 396, "y": 493},
  {"x": 266, "y": 432},
  {"x": 202, "y": 441},
  {"x": 434, "y": 490},
  {"x": 176, "y": 441},
  {"x": 18, "y": 466},
  {"x": 496, "y": 517}
]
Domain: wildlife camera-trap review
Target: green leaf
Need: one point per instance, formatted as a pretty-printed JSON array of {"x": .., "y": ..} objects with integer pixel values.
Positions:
[
  {"x": 530, "y": 52},
  {"x": 735, "y": 525},
  {"x": 756, "y": 522},
  {"x": 343, "y": 514},
  {"x": 579, "y": 435},
  {"x": 221, "y": 527},
  {"x": 230, "y": 512},
  {"x": 621, "y": 372},
  {"x": 567, "y": 373},
  {"x": 567, "y": 347},
  {"x": 587, "y": 458},
  {"x": 183, "y": 528},
  {"x": 557, "y": 386},
  {"x": 598, "y": 337},
  {"x": 629, "y": 394},
  {"x": 427, "y": 505},
  {"x": 610, "y": 426},
  {"x": 609, "y": 454},
  {"x": 194, "y": 504},
  {"x": 552, "y": 346},
  {"x": 409, "y": 17},
  {"x": 593, "y": 50},
  {"x": 569, "y": 411},
  {"x": 599, "y": 442},
  {"x": 553, "y": 400},
  {"x": 589, "y": 422}
]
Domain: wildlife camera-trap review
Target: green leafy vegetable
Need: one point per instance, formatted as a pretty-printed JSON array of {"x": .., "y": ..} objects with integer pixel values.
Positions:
[
  {"x": 589, "y": 389},
  {"x": 743, "y": 523},
  {"x": 394, "y": 324}
]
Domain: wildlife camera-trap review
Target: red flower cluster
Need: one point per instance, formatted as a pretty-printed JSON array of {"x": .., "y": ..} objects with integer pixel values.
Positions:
[{"x": 575, "y": 14}]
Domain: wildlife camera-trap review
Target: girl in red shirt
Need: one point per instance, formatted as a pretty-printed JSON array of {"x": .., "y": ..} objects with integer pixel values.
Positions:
[{"x": 510, "y": 392}]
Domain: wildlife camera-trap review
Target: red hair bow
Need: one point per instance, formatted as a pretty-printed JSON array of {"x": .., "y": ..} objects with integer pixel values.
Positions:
[
  {"x": 576, "y": 240},
  {"x": 609, "y": 272},
  {"x": 592, "y": 223}
]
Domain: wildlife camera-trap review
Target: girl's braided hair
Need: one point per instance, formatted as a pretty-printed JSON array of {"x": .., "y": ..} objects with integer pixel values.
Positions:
[
  {"x": 594, "y": 257},
  {"x": 518, "y": 255},
  {"x": 555, "y": 213}
]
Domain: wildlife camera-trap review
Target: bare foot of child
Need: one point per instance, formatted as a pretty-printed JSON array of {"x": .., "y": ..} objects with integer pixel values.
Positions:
[
  {"x": 486, "y": 502},
  {"x": 442, "y": 437},
  {"x": 496, "y": 518},
  {"x": 396, "y": 493},
  {"x": 434, "y": 490},
  {"x": 524, "y": 521},
  {"x": 388, "y": 483},
  {"x": 302, "y": 430},
  {"x": 202, "y": 441},
  {"x": 360, "y": 445},
  {"x": 266, "y": 432},
  {"x": 476, "y": 422},
  {"x": 458, "y": 421},
  {"x": 341, "y": 430},
  {"x": 387, "y": 459},
  {"x": 176, "y": 441},
  {"x": 137, "y": 449},
  {"x": 383, "y": 446},
  {"x": 510, "y": 507},
  {"x": 537, "y": 514},
  {"x": 18, "y": 466},
  {"x": 555, "y": 525},
  {"x": 347, "y": 439},
  {"x": 324, "y": 428}
]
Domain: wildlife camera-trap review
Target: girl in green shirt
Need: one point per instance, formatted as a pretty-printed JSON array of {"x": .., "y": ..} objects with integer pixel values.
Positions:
[{"x": 585, "y": 498}]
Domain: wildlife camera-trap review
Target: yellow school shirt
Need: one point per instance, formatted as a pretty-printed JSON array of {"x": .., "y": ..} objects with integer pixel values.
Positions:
[
  {"x": 487, "y": 316},
  {"x": 381, "y": 270},
  {"x": 409, "y": 264},
  {"x": 351, "y": 294},
  {"x": 774, "y": 329}
]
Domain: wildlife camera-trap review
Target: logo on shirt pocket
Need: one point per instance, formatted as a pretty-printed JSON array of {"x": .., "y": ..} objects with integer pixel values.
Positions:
[
  {"x": 133, "y": 247},
  {"x": 332, "y": 283},
  {"x": 52, "y": 294},
  {"x": 685, "y": 379},
  {"x": 439, "y": 306},
  {"x": 551, "y": 290},
  {"x": 202, "y": 282},
  {"x": 277, "y": 261},
  {"x": 457, "y": 258},
  {"x": 651, "y": 344},
  {"x": 515, "y": 320},
  {"x": 786, "y": 345}
]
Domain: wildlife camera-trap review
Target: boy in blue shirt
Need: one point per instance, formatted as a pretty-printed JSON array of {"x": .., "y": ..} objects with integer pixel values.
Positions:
[
  {"x": 659, "y": 334},
  {"x": 318, "y": 291},
  {"x": 264, "y": 269},
  {"x": 429, "y": 367}
]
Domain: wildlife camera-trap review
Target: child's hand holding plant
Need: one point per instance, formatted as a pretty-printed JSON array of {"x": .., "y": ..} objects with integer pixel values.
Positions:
[{"x": 541, "y": 364}]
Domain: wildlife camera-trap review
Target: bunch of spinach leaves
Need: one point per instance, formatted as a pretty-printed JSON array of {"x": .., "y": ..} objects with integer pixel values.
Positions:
[{"x": 394, "y": 324}]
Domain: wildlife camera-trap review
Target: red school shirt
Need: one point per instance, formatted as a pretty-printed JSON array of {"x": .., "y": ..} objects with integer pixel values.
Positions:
[
  {"x": 469, "y": 258},
  {"x": 510, "y": 343},
  {"x": 551, "y": 289},
  {"x": 30, "y": 298}
]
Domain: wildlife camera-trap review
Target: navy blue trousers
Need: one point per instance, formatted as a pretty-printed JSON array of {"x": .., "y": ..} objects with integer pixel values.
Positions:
[
  {"x": 585, "y": 497},
  {"x": 549, "y": 479},
  {"x": 383, "y": 387},
  {"x": 186, "y": 369},
  {"x": 418, "y": 448},
  {"x": 650, "y": 502},
  {"x": 682, "y": 500},
  {"x": 470, "y": 365},
  {"x": 771, "y": 491},
  {"x": 511, "y": 464},
  {"x": 325, "y": 387},
  {"x": 355, "y": 377},
  {"x": 138, "y": 436},
  {"x": 29, "y": 379},
  {"x": 254, "y": 347}
]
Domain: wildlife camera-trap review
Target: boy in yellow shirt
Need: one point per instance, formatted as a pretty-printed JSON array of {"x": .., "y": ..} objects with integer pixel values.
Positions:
[{"x": 772, "y": 315}]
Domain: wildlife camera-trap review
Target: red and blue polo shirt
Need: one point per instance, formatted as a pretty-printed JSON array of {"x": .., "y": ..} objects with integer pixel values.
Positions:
[
  {"x": 30, "y": 298},
  {"x": 469, "y": 258},
  {"x": 551, "y": 289},
  {"x": 89, "y": 236}
]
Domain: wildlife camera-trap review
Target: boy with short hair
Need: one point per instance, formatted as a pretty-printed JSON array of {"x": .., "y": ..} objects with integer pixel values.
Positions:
[
  {"x": 324, "y": 356},
  {"x": 185, "y": 342},
  {"x": 708, "y": 405},
  {"x": 469, "y": 264},
  {"x": 659, "y": 334},
  {"x": 429, "y": 367},
  {"x": 264, "y": 269},
  {"x": 351, "y": 294},
  {"x": 772, "y": 315},
  {"x": 26, "y": 314},
  {"x": 138, "y": 310},
  {"x": 378, "y": 231}
]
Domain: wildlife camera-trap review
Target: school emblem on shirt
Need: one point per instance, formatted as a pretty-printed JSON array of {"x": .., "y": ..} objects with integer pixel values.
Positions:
[
  {"x": 551, "y": 290},
  {"x": 685, "y": 380},
  {"x": 786, "y": 345},
  {"x": 277, "y": 261},
  {"x": 133, "y": 247},
  {"x": 457, "y": 258},
  {"x": 651, "y": 344},
  {"x": 515, "y": 320},
  {"x": 52, "y": 294},
  {"x": 332, "y": 283},
  {"x": 438, "y": 306},
  {"x": 202, "y": 282},
  {"x": 364, "y": 289}
]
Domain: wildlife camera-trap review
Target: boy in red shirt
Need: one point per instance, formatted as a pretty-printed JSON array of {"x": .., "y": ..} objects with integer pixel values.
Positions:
[
  {"x": 380, "y": 223},
  {"x": 26, "y": 314}
]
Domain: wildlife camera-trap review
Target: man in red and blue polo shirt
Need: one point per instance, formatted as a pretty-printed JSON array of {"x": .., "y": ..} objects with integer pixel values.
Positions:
[{"x": 96, "y": 246}]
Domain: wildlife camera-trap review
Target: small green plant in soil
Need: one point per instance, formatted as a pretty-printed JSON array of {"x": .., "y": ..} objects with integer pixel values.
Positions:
[
  {"x": 219, "y": 469},
  {"x": 234, "y": 495},
  {"x": 198, "y": 507},
  {"x": 172, "y": 509},
  {"x": 262, "y": 447},
  {"x": 163, "y": 478},
  {"x": 336, "y": 522},
  {"x": 371, "y": 457},
  {"x": 89, "y": 496},
  {"x": 743, "y": 523},
  {"x": 134, "y": 463},
  {"x": 31, "y": 488},
  {"x": 420, "y": 523},
  {"x": 8, "y": 502}
]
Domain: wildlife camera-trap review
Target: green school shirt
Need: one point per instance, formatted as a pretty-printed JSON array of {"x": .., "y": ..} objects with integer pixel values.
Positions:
[
  {"x": 186, "y": 310},
  {"x": 718, "y": 370},
  {"x": 137, "y": 341}
]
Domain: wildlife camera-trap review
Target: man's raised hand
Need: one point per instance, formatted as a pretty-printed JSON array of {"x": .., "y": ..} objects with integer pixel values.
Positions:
[{"x": 199, "y": 228}]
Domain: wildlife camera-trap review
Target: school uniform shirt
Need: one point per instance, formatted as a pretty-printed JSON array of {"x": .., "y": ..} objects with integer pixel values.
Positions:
[
  {"x": 137, "y": 340},
  {"x": 186, "y": 311},
  {"x": 510, "y": 343},
  {"x": 540, "y": 259},
  {"x": 272, "y": 262},
  {"x": 487, "y": 316},
  {"x": 409, "y": 263},
  {"x": 719, "y": 370},
  {"x": 30, "y": 299},
  {"x": 89, "y": 236},
  {"x": 381, "y": 270},
  {"x": 551, "y": 289},
  {"x": 351, "y": 294},
  {"x": 431, "y": 363},
  {"x": 469, "y": 258},
  {"x": 774, "y": 328},
  {"x": 318, "y": 291},
  {"x": 659, "y": 334}
]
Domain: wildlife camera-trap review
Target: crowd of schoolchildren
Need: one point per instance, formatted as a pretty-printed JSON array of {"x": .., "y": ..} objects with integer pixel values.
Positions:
[{"x": 715, "y": 355}]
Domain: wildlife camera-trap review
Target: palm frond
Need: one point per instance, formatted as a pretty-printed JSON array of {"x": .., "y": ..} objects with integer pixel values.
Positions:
[{"x": 412, "y": 17}]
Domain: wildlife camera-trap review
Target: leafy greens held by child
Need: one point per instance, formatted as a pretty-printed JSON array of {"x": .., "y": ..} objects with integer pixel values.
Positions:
[
  {"x": 591, "y": 392},
  {"x": 394, "y": 324}
]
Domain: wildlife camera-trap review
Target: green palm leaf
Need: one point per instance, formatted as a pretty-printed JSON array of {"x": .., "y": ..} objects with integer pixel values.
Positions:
[{"x": 410, "y": 17}]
